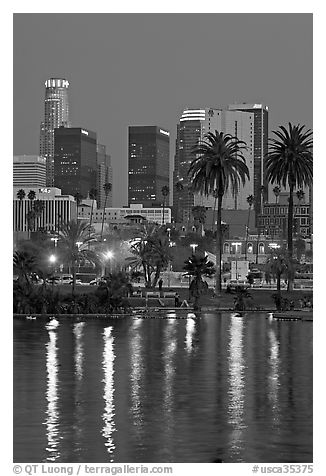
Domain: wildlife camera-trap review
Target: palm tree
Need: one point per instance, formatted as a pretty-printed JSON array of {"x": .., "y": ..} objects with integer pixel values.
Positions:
[
  {"x": 198, "y": 267},
  {"x": 38, "y": 208},
  {"x": 179, "y": 189},
  {"x": 300, "y": 195},
  {"x": 199, "y": 214},
  {"x": 93, "y": 196},
  {"x": 78, "y": 197},
  {"x": 250, "y": 201},
  {"x": 215, "y": 195},
  {"x": 74, "y": 237},
  {"x": 20, "y": 195},
  {"x": 165, "y": 192},
  {"x": 259, "y": 200},
  {"x": 107, "y": 189},
  {"x": 24, "y": 264},
  {"x": 290, "y": 162},
  {"x": 219, "y": 164},
  {"x": 276, "y": 191},
  {"x": 278, "y": 265}
]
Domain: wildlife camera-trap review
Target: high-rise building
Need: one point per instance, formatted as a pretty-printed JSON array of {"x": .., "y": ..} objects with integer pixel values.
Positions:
[
  {"x": 194, "y": 124},
  {"x": 148, "y": 157},
  {"x": 104, "y": 175},
  {"x": 75, "y": 160},
  {"x": 29, "y": 171},
  {"x": 260, "y": 129},
  {"x": 56, "y": 114}
]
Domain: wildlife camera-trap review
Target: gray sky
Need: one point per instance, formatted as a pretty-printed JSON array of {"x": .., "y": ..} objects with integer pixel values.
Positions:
[{"x": 131, "y": 69}]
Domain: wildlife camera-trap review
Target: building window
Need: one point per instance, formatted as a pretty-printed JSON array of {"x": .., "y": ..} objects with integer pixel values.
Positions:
[
  {"x": 261, "y": 248},
  {"x": 226, "y": 248}
]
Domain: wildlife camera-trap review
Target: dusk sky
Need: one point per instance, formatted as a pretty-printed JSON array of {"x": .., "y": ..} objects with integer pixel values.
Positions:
[{"x": 133, "y": 69}]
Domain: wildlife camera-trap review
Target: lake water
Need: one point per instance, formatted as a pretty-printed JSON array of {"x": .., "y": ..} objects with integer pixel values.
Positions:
[{"x": 163, "y": 390}]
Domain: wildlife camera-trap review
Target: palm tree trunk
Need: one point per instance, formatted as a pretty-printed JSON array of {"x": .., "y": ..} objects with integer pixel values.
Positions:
[
  {"x": 290, "y": 236},
  {"x": 218, "y": 287},
  {"x": 248, "y": 221},
  {"x": 103, "y": 216},
  {"x": 163, "y": 212},
  {"x": 258, "y": 237},
  {"x": 73, "y": 269},
  {"x": 214, "y": 209}
]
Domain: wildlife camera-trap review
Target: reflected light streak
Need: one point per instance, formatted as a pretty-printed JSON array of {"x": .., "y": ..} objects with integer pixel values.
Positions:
[
  {"x": 190, "y": 330},
  {"x": 273, "y": 377},
  {"x": 79, "y": 349},
  {"x": 170, "y": 348},
  {"x": 136, "y": 376},
  {"x": 108, "y": 395},
  {"x": 236, "y": 382},
  {"x": 52, "y": 419}
]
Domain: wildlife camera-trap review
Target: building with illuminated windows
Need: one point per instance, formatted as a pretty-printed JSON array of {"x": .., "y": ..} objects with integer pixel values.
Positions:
[
  {"x": 193, "y": 125},
  {"x": 75, "y": 160},
  {"x": 148, "y": 165},
  {"x": 29, "y": 171},
  {"x": 260, "y": 145},
  {"x": 56, "y": 114}
]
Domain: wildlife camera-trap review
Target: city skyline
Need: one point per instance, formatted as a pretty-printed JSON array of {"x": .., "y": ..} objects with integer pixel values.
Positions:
[{"x": 146, "y": 81}]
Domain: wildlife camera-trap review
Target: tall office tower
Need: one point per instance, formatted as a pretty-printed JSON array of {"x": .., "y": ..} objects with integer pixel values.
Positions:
[
  {"x": 148, "y": 156},
  {"x": 260, "y": 128},
  {"x": 29, "y": 171},
  {"x": 104, "y": 175},
  {"x": 194, "y": 124},
  {"x": 75, "y": 160},
  {"x": 56, "y": 114}
]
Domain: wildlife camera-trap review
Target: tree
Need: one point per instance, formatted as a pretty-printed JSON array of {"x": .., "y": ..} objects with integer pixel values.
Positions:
[
  {"x": 31, "y": 195},
  {"x": 199, "y": 214},
  {"x": 38, "y": 208},
  {"x": 219, "y": 165},
  {"x": 290, "y": 163},
  {"x": 165, "y": 192},
  {"x": 78, "y": 197},
  {"x": 197, "y": 267},
  {"x": 21, "y": 194},
  {"x": 276, "y": 191},
  {"x": 278, "y": 265},
  {"x": 24, "y": 264},
  {"x": 300, "y": 195},
  {"x": 107, "y": 189},
  {"x": 250, "y": 201},
  {"x": 215, "y": 195},
  {"x": 74, "y": 237},
  {"x": 151, "y": 252}
]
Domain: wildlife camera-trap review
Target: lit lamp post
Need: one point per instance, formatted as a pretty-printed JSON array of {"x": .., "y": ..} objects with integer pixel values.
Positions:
[
  {"x": 107, "y": 257},
  {"x": 193, "y": 246},
  {"x": 55, "y": 240},
  {"x": 236, "y": 244},
  {"x": 52, "y": 260},
  {"x": 78, "y": 243}
]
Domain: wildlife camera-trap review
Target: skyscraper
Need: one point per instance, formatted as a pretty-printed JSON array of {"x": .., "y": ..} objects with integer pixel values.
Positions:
[
  {"x": 56, "y": 114},
  {"x": 29, "y": 171},
  {"x": 75, "y": 160},
  {"x": 194, "y": 124},
  {"x": 260, "y": 129},
  {"x": 104, "y": 175},
  {"x": 148, "y": 157}
]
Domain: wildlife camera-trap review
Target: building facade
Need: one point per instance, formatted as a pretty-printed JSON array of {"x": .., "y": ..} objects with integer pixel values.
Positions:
[
  {"x": 75, "y": 160},
  {"x": 104, "y": 175},
  {"x": 193, "y": 125},
  {"x": 274, "y": 218},
  {"x": 121, "y": 216},
  {"x": 56, "y": 114},
  {"x": 29, "y": 171},
  {"x": 58, "y": 209},
  {"x": 260, "y": 146},
  {"x": 148, "y": 165}
]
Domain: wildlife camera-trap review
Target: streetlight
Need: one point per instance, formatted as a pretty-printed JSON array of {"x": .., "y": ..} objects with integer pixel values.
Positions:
[
  {"x": 107, "y": 257},
  {"x": 52, "y": 260},
  {"x": 236, "y": 244},
  {"x": 55, "y": 241},
  {"x": 193, "y": 246}
]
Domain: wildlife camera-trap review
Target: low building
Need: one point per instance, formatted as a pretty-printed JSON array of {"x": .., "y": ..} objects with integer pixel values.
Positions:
[
  {"x": 29, "y": 171},
  {"x": 274, "y": 219},
  {"x": 124, "y": 215},
  {"x": 57, "y": 209}
]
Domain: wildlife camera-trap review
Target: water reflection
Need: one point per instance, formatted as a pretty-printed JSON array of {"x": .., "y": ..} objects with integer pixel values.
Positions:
[
  {"x": 136, "y": 377},
  {"x": 52, "y": 418},
  {"x": 79, "y": 349},
  {"x": 169, "y": 375},
  {"x": 108, "y": 414},
  {"x": 273, "y": 377},
  {"x": 190, "y": 330},
  {"x": 236, "y": 384}
]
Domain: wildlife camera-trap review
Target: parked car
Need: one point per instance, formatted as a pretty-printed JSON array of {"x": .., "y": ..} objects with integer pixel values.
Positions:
[{"x": 66, "y": 279}]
